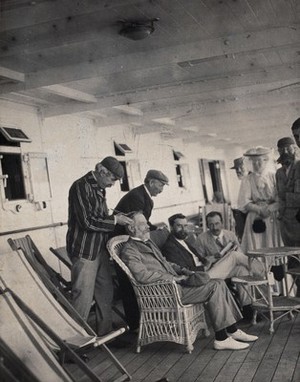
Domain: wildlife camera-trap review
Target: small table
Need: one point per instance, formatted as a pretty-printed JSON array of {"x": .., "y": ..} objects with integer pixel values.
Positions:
[{"x": 265, "y": 300}]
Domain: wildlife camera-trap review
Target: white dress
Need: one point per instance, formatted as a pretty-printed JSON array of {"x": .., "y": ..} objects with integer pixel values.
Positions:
[{"x": 260, "y": 189}]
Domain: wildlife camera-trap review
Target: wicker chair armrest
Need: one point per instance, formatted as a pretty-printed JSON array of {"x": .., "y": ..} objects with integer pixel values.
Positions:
[{"x": 161, "y": 293}]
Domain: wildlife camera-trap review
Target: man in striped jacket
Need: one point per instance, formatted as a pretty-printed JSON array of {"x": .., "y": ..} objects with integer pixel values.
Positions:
[{"x": 88, "y": 226}]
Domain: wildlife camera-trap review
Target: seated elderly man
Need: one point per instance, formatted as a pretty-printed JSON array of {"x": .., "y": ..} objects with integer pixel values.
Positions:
[
  {"x": 217, "y": 251},
  {"x": 148, "y": 265}
]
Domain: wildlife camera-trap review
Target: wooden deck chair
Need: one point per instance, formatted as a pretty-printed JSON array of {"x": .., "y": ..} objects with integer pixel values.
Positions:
[
  {"x": 62, "y": 254},
  {"x": 26, "y": 355},
  {"x": 17, "y": 274},
  {"x": 163, "y": 317},
  {"x": 10, "y": 301},
  {"x": 13, "y": 367},
  {"x": 39, "y": 264}
]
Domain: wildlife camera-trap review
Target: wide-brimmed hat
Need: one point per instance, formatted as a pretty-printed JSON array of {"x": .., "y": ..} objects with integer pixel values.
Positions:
[{"x": 257, "y": 151}]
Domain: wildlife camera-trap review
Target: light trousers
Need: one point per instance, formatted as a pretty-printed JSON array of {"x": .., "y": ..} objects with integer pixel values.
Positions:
[
  {"x": 220, "y": 304},
  {"x": 93, "y": 280},
  {"x": 235, "y": 264}
]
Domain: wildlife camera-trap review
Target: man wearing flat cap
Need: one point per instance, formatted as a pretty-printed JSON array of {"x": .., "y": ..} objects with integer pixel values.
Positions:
[
  {"x": 288, "y": 186},
  {"x": 239, "y": 167},
  {"x": 88, "y": 226},
  {"x": 137, "y": 199},
  {"x": 140, "y": 198}
]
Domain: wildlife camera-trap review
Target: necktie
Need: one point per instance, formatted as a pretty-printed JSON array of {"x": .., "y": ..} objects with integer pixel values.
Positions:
[{"x": 219, "y": 243}]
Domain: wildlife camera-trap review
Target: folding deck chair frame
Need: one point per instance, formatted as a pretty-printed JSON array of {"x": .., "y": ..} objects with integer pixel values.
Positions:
[
  {"x": 74, "y": 315},
  {"x": 65, "y": 349}
]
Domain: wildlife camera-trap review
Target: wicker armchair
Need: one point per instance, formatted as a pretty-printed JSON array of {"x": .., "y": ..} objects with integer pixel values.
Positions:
[{"x": 163, "y": 316}]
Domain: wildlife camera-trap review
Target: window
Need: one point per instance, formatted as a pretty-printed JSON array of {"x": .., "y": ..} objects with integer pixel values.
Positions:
[
  {"x": 124, "y": 181},
  {"x": 121, "y": 149},
  {"x": 181, "y": 170},
  {"x": 11, "y": 173},
  {"x": 177, "y": 155},
  {"x": 38, "y": 176},
  {"x": 14, "y": 135},
  {"x": 214, "y": 181}
]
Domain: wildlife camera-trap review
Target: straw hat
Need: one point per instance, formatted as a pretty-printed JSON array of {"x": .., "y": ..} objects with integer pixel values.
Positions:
[{"x": 257, "y": 151}]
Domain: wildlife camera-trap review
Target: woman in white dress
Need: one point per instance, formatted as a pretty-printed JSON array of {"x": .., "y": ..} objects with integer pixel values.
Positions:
[{"x": 258, "y": 198}]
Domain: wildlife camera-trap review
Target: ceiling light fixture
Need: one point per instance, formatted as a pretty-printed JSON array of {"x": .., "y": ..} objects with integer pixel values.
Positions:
[{"x": 137, "y": 30}]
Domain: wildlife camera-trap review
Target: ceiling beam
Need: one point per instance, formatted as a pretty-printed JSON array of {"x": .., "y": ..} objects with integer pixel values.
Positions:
[
  {"x": 70, "y": 93},
  {"x": 11, "y": 74},
  {"x": 135, "y": 98},
  {"x": 48, "y": 11},
  {"x": 210, "y": 48},
  {"x": 129, "y": 110}
]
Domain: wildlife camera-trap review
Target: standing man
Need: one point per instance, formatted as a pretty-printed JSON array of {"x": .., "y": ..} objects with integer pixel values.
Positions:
[
  {"x": 288, "y": 187},
  {"x": 296, "y": 131},
  {"x": 88, "y": 227},
  {"x": 239, "y": 167},
  {"x": 138, "y": 199}
]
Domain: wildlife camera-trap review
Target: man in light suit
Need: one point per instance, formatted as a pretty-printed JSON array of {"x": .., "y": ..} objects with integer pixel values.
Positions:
[
  {"x": 137, "y": 199},
  {"x": 209, "y": 251},
  {"x": 148, "y": 265}
]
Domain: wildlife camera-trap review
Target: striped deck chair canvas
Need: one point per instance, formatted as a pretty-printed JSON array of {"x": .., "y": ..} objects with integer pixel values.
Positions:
[
  {"x": 25, "y": 354},
  {"x": 18, "y": 275}
]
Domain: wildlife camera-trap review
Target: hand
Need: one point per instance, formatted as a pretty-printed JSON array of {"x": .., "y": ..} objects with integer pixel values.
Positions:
[
  {"x": 208, "y": 263},
  {"x": 264, "y": 212},
  {"x": 162, "y": 226},
  {"x": 122, "y": 219},
  {"x": 178, "y": 279}
]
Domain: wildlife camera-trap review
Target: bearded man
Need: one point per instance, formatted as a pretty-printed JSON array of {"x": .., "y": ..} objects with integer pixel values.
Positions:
[{"x": 288, "y": 187}]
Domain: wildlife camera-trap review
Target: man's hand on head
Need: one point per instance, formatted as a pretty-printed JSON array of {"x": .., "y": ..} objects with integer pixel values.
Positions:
[{"x": 122, "y": 219}]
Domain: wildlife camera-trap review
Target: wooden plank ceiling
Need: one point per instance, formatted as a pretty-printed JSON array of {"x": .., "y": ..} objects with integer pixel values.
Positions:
[{"x": 221, "y": 72}]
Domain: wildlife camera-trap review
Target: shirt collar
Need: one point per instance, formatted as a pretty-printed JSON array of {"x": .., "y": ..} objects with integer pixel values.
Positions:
[
  {"x": 93, "y": 182},
  {"x": 147, "y": 191},
  {"x": 138, "y": 239}
]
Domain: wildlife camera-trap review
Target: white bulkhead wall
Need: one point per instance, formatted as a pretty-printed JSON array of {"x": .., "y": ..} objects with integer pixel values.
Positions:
[{"x": 73, "y": 146}]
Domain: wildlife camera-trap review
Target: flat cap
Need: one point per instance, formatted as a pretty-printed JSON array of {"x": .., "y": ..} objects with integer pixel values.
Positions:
[
  {"x": 286, "y": 141},
  {"x": 257, "y": 151},
  {"x": 237, "y": 163},
  {"x": 158, "y": 175},
  {"x": 296, "y": 124},
  {"x": 114, "y": 166}
]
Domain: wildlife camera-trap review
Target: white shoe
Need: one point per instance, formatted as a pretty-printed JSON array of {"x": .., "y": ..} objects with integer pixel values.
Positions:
[
  {"x": 230, "y": 344},
  {"x": 239, "y": 335}
]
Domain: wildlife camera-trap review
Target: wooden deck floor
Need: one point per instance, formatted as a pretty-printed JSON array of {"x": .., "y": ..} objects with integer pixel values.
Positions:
[{"x": 273, "y": 358}]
